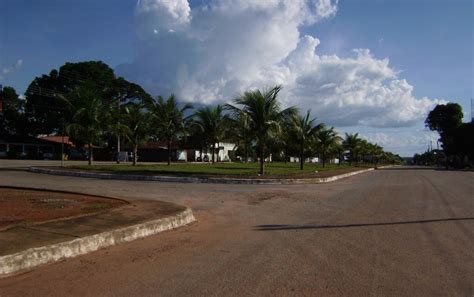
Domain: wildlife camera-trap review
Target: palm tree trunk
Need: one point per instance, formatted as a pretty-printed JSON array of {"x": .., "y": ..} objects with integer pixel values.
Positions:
[
  {"x": 169, "y": 152},
  {"x": 90, "y": 154},
  {"x": 135, "y": 156},
  {"x": 246, "y": 153},
  {"x": 262, "y": 161},
  {"x": 118, "y": 148},
  {"x": 302, "y": 157},
  {"x": 324, "y": 159},
  {"x": 213, "y": 152}
]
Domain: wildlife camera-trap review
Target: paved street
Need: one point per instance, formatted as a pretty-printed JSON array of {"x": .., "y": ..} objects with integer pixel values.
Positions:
[{"x": 391, "y": 232}]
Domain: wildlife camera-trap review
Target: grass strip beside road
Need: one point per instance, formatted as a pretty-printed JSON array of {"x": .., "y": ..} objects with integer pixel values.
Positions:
[{"x": 241, "y": 170}]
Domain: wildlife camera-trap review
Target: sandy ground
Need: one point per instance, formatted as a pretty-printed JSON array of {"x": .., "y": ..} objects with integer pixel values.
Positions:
[{"x": 393, "y": 232}]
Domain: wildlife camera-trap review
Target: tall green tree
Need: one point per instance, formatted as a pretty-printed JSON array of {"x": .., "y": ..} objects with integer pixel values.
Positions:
[
  {"x": 86, "y": 106},
  {"x": 352, "y": 143},
  {"x": 45, "y": 109},
  {"x": 445, "y": 119},
  {"x": 169, "y": 119},
  {"x": 464, "y": 140},
  {"x": 240, "y": 132},
  {"x": 137, "y": 120},
  {"x": 12, "y": 116},
  {"x": 374, "y": 152},
  {"x": 264, "y": 114},
  {"x": 212, "y": 123},
  {"x": 327, "y": 141},
  {"x": 362, "y": 150},
  {"x": 121, "y": 93},
  {"x": 304, "y": 130}
]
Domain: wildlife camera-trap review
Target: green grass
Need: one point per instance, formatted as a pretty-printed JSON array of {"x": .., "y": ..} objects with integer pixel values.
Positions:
[{"x": 217, "y": 169}]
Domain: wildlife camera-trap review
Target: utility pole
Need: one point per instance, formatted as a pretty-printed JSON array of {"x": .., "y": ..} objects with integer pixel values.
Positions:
[
  {"x": 118, "y": 132},
  {"x": 62, "y": 145},
  {"x": 472, "y": 111}
]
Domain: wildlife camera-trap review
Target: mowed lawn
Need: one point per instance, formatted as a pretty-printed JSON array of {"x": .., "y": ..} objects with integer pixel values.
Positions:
[{"x": 219, "y": 169}]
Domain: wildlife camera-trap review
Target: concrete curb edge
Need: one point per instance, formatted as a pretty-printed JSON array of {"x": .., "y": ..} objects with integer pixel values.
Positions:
[
  {"x": 183, "y": 179},
  {"x": 30, "y": 258}
]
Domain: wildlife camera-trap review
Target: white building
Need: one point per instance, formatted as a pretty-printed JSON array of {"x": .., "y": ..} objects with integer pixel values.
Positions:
[{"x": 223, "y": 153}]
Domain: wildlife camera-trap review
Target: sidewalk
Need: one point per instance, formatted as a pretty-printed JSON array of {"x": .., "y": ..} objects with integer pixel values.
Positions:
[{"x": 25, "y": 247}]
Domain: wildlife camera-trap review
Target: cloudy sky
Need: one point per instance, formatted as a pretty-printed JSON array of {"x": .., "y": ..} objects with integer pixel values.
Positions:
[{"x": 371, "y": 66}]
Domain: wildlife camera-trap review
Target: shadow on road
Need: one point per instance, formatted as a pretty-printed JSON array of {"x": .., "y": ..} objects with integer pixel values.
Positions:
[
  {"x": 294, "y": 227},
  {"x": 399, "y": 168}
]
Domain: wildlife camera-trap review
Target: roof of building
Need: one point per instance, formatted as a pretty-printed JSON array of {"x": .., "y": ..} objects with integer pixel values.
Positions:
[
  {"x": 20, "y": 139},
  {"x": 58, "y": 139}
]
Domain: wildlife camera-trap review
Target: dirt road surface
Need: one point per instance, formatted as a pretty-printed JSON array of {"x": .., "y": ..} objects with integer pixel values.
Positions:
[{"x": 392, "y": 232}]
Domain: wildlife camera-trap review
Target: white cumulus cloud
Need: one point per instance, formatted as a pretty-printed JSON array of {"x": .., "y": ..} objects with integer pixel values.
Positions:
[
  {"x": 210, "y": 53},
  {"x": 7, "y": 70},
  {"x": 404, "y": 142}
]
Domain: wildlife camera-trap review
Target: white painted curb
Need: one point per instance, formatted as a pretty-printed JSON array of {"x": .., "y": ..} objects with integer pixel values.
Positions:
[
  {"x": 183, "y": 179},
  {"x": 33, "y": 257}
]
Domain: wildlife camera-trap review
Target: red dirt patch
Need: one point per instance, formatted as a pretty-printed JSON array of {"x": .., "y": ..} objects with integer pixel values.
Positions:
[{"x": 24, "y": 207}]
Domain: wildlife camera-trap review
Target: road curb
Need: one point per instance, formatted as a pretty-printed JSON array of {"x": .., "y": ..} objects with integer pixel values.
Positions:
[
  {"x": 27, "y": 259},
  {"x": 210, "y": 180}
]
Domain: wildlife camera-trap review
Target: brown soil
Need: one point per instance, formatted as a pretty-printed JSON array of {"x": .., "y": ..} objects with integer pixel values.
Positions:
[{"x": 24, "y": 207}]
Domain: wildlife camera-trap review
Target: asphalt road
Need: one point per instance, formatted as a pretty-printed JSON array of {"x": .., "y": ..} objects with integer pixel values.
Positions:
[{"x": 392, "y": 232}]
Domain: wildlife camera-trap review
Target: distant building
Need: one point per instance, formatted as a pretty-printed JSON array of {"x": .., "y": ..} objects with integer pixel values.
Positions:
[
  {"x": 157, "y": 151},
  {"x": 27, "y": 147}
]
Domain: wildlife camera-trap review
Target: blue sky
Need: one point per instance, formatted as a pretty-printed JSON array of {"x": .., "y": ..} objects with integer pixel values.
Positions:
[{"x": 429, "y": 43}]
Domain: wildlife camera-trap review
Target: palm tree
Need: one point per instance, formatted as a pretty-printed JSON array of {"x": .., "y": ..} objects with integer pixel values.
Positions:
[
  {"x": 169, "y": 119},
  {"x": 138, "y": 122},
  {"x": 375, "y": 152},
  {"x": 285, "y": 140},
  {"x": 339, "y": 150},
  {"x": 304, "y": 130},
  {"x": 211, "y": 122},
  {"x": 240, "y": 132},
  {"x": 85, "y": 125},
  {"x": 327, "y": 140},
  {"x": 122, "y": 92},
  {"x": 362, "y": 150},
  {"x": 116, "y": 126},
  {"x": 264, "y": 114},
  {"x": 352, "y": 143}
]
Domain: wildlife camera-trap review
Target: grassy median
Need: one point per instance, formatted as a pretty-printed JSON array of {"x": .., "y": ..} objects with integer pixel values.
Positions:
[{"x": 274, "y": 169}]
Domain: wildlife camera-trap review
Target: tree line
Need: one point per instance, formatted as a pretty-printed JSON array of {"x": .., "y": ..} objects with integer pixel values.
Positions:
[
  {"x": 456, "y": 137},
  {"x": 89, "y": 103}
]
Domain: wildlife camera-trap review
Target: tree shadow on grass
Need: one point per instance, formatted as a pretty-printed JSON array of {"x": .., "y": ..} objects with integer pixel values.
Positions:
[{"x": 298, "y": 227}]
